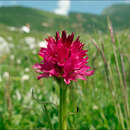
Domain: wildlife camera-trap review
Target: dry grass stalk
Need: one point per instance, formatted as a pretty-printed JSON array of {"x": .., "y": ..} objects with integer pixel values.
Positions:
[
  {"x": 124, "y": 92},
  {"x": 124, "y": 82},
  {"x": 104, "y": 59},
  {"x": 115, "y": 98},
  {"x": 8, "y": 97}
]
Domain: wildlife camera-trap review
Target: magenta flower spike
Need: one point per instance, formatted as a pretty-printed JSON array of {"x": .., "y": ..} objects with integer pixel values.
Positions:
[{"x": 64, "y": 58}]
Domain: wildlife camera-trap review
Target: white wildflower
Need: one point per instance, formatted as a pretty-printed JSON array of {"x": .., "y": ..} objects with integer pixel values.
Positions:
[
  {"x": 30, "y": 41},
  {"x": 25, "y": 77},
  {"x": 4, "y": 47},
  {"x": 113, "y": 93},
  {"x": 100, "y": 63},
  {"x": 27, "y": 69},
  {"x": 45, "y": 24},
  {"x": 6, "y": 75},
  {"x": 96, "y": 89},
  {"x": 43, "y": 44},
  {"x": 53, "y": 98},
  {"x": 54, "y": 119},
  {"x": 27, "y": 98},
  {"x": 18, "y": 95},
  {"x": 12, "y": 28},
  {"x": 40, "y": 97},
  {"x": 95, "y": 107},
  {"x": 12, "y": 57},
  {"x": 34, "y": 52},
  {"x": 29, "y": 94},
  {"x": 26, "y": 28},
  {"x": 18, "y": 61}
]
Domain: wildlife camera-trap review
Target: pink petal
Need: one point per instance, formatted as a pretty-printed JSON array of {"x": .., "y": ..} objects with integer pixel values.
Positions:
[
  {"x": 67, "y": 81},
  {"x": 42, "y": 75},
  {"x": 89, "y": 73}
]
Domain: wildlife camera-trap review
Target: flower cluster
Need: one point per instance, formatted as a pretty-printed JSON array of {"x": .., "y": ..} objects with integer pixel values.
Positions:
[{"x": 65, "y": 58}]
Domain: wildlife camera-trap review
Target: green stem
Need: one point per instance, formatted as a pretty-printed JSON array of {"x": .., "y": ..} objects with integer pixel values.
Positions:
[
  {"x": 48, "y": 118},
  {"x": 63, "y": 107}
]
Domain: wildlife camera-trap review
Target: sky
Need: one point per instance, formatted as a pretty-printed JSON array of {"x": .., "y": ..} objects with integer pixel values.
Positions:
[{"x": 63, "y": 7}]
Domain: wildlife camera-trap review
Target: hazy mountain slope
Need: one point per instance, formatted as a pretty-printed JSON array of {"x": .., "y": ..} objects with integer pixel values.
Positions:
[
  {"x": 119, "y": 14},
  {"x": 46, "y": 21}
]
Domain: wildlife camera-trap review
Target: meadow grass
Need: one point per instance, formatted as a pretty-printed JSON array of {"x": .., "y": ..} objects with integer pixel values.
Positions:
[{"x": 100, "y": 102}]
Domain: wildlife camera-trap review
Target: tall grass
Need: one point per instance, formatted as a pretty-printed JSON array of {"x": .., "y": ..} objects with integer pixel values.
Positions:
[
  {"x": 122, "y": 115},
  {"x": 100, "y": 102}
]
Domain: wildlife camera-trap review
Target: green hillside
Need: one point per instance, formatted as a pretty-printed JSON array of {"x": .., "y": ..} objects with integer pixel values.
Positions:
[
  {"x": 119, "y": 14},
  {"x": 46, "y": 21}
]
